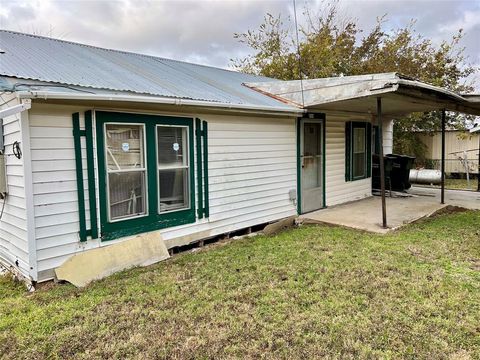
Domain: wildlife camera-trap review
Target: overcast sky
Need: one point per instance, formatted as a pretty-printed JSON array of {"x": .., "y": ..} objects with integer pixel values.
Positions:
[{"x": 202, "y": 31}]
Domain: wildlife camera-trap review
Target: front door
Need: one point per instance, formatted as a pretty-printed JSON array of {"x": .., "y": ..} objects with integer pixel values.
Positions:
[{"x": 311, "y": 160}]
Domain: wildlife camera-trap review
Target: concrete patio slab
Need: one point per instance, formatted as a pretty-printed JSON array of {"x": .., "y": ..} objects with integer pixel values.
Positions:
[
  {"x": 366, "y": 214},
  {"x": 467, "y": 199}
]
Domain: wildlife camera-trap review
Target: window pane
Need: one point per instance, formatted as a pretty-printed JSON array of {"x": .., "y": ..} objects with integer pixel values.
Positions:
[
  {"x": 124, "y": 146},
  {"x": 172, "y": 146},
  {"x": 126, "y": 194},
  {"x": 358, "y": 140},
  {"x": 312, "y": 139},
  {"x": 358, "y": 165},
  {"x": 173, "y": 189}
]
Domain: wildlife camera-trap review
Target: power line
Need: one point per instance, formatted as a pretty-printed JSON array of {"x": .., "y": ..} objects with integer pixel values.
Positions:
[{"x": 298, "y": 52}]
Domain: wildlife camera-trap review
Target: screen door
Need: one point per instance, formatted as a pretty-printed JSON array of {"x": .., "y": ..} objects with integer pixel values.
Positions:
[{"x": 311, "y": 158}]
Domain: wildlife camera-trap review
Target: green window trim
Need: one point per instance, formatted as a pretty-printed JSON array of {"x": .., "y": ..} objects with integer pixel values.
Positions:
[
  {"x": 153, "y": 220},
  {"x": 349, "y": 139}
]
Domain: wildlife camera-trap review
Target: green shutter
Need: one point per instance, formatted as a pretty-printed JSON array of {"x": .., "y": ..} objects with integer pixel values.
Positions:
[
  {"x": 92, "y": 196},
  {"x": 201, "y": 137},
  {"x": 198, "y": 139},
  {"x": 206, "y": 208},
  {"x": 77, "y": 133},
  {"x": 348, "y": 151}
]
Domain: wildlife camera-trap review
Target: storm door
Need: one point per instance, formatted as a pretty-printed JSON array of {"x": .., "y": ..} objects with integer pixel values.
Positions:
[{"x": 311, "y": 160}]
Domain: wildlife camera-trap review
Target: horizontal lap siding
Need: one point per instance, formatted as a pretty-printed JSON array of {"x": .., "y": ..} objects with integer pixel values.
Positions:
[
  {"x": 13, "y": 224},
  {"x": 338, "y": 190},
  {"x": 55, "y": 183},
  {"x": 252, "y": 167}
]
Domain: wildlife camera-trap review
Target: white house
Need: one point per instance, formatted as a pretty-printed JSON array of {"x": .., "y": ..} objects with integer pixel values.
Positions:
[{"x": 108, "y": 144}]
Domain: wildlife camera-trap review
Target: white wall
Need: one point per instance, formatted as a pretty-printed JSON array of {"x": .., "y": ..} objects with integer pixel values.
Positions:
[
  {"x": 252, "y": 167},
  {"x": 13, "y": 224},
  {"x": 387, "y": 128},
  {"x": 338, "y": 190}
]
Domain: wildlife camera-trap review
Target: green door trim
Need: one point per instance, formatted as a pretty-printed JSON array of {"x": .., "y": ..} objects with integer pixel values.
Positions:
[
  {"x": 153, "y": 220},
  {"x": 322, "y": 119}
]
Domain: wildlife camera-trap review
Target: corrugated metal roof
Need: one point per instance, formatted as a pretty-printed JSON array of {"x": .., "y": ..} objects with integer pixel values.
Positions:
[{"x": 56, "y": 61}]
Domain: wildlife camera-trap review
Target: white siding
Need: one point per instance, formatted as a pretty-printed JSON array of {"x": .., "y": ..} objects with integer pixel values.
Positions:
[
  {"x": 55, "y": 185},
  {"x": 252, "y": 167},
  {"x": 13, "y": 224},
  {"x": 338, "y": 190}
]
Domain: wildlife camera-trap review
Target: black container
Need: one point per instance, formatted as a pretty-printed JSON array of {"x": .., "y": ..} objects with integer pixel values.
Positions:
[
  {"x": 376, "y": 171},
  {"x": 400, "y": 175}
]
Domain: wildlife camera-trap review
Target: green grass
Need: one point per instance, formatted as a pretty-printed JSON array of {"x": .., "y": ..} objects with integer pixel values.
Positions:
[
  {"x": 313, "y": 291},
  {"x": 460, "y": 184}
]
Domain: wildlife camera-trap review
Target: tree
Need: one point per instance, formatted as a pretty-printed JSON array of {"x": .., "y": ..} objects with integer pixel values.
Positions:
[{"x": 330, "y": 45}]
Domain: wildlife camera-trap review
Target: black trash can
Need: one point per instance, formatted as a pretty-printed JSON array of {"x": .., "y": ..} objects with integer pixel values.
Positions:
[
  {"x": 388, "y": 163},
  {"x": 400, "y": 175}
]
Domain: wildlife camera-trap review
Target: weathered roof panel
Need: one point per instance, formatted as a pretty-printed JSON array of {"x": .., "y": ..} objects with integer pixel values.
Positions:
[
  {"x": 56, "y": 61},
  {"x": 357, "y": 94}
]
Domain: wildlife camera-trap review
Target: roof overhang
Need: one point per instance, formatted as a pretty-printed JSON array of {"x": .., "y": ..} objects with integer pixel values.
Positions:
[
  {"x": 357, "y": 95},
  {"x": 106, "y": 99}
]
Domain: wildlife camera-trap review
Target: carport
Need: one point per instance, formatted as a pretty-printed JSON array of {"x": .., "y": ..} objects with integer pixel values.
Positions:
[{"x": 376, "y": 97}]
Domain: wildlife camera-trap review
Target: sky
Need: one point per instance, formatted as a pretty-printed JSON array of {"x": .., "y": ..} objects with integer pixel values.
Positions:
[{"x": 202, "y": 31}]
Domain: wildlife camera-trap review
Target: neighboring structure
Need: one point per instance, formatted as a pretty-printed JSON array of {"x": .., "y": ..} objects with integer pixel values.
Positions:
[
  {"x": 108, "y": 144},
  {"x": 461, "y": 148}
]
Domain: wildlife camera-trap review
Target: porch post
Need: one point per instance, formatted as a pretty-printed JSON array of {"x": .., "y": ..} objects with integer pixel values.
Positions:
[
  {"x": 442, "y": 195},
  {"x": 382, "y": 162},
  {"x": 478, "y": 174}
]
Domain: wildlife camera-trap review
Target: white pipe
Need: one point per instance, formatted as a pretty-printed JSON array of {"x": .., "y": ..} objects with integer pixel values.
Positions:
[{"x": 14, "y": 110}]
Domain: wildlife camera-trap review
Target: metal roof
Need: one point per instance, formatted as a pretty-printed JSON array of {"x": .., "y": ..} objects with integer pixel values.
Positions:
[
  {"x": 357, "y": 95},
  {"x": 55, "y": 61}
]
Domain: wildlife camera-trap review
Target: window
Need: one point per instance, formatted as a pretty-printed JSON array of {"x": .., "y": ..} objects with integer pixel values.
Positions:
[
  {"x": 145, "y": 172},
  {"x": 124, "y": 148},
  {"x": 172, "y": 155},
  {"x": 359, "y": 154},
  {"x": 357, "y": 150}
]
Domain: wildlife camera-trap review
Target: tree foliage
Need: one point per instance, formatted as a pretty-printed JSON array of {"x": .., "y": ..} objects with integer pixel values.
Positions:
[{"x": 330, "y": 45}]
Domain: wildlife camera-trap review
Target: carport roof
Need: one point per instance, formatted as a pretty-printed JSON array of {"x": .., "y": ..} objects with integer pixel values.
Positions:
[{"x": 357, "y": 95}]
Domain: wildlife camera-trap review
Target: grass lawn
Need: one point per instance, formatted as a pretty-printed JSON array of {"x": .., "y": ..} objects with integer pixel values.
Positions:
[
  {"x": 315, "y": 291},
  {"x": 459, "y": 184}
]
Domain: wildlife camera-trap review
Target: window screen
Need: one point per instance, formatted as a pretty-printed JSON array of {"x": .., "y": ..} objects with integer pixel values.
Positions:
[
  {"x": 173, "y": 168},
  {"x": 126, "y": 170}
]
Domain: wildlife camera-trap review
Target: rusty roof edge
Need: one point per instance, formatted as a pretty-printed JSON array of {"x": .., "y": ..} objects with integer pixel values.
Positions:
[{"x": 273, "y": 96}]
